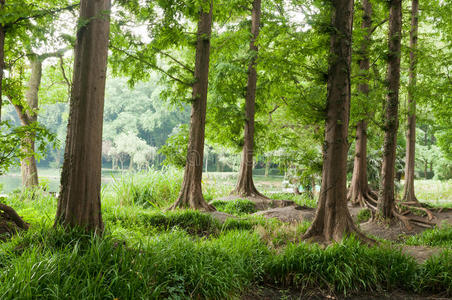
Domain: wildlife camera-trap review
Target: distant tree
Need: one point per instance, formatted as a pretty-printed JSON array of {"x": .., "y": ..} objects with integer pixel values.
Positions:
[
  {"x": 408, "y": 193},
  {"x": 245, "y": 185},
  {"x": 191, "y": 192},
  {"x": 79, "y": 199},
  {"x": 359, "y": 191}
]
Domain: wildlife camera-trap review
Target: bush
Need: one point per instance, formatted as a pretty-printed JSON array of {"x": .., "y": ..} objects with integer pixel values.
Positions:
[{"x": 236, "y": 207}]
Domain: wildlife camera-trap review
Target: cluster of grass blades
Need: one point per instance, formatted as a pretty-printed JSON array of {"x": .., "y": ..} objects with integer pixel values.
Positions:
[{"x": 237, "y": 207}]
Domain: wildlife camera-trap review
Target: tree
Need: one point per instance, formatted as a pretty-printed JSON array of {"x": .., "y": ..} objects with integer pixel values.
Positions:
[
  {"x": 245, "y": 185},
  {"x": 386, "y": 200},
  {"x": 79, "y": 200},
  {"x": 28, "y": 115},
  {"x": 408, "y": 193},
  {"x": 332, "y": 220},
  {"x": 359, "y": 191},
  {"x": 191, "y": 192},
  {"x": 2, "y": 55}
]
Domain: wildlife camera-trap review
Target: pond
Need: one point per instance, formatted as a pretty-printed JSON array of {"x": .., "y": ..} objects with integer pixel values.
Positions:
[{"x": 48, "y": 177}]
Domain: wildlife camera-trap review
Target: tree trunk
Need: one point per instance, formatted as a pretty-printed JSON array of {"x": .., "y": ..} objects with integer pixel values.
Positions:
[
  {"x": 408, "y": 194},
  {"x": 245, "y": 185},
  {"x": 79, "y": 200},
  {"x": 191, "y": 192},
  {"x": 332, "y": 220},
  {"x": 386, "y": 200},
  {"x": 359, "y": 192},
  {"x": 2, "y": 57},
  {"x": 267, "y": 166},
  {"x": 28, "y": 166}
]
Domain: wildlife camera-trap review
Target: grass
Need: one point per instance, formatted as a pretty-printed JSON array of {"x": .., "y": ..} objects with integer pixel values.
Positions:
[
  {"x": 147, "y": 253},
  {"x": 436, "y": 237},
  {"x": 236, "y": 207},
  {"x": 301, "y": 200}
]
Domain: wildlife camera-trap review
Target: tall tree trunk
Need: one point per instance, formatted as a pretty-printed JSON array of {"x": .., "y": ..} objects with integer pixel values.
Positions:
[
  {"x": 2, "y": 57},
  {"x": 332, "y": 220},
  {"x": 386, "y": 200},
  {"x": 359, "y": 192},
  {"x": 79, "y": 200},
  {"x": 191, "y": 192},
  {"x": 408, "y": 194},
  {"x": 245, "y": 185},
  {"x": 28, "y": 166}
]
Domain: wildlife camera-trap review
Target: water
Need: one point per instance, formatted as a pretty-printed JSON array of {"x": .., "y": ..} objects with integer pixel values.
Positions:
[{"x": 49, "y": 177}]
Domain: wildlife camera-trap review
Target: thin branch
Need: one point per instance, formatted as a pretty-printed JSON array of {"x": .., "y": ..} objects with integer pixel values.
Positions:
[
  {"x": 154, "y": 66},
  {"x": 69, "y": 84},
  {"x": 43, "y": 13},
  {"x": 377, "y": 25},
  {"x": 175, "y": 60}
]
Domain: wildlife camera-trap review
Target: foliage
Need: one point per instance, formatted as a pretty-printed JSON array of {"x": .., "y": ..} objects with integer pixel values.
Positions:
[
  {"x": 13, "y": 147},
  {"x": 364, "y": 215}
]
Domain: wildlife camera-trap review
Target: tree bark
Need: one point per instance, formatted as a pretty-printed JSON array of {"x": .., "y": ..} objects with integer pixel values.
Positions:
[
  {"x": 408, "y": 194},
  {"x": 2, "y": 57},
  {"x": 79, "y": 201},
  {"x": 359, "y": 191},
  {"x": 332, "y": 220},
  {"x": 386, "y": 198},
  {"x": 191, "y": 192},
  {"x": 245, "y": 185}
]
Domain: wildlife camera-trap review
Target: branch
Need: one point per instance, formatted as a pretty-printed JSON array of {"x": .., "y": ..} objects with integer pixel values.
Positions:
[
  {"x": 377, "y": 25},
  {"x": 42, "y": 13},
  {"x": 154, "y": 66},
  {"x": 175, "y": 60},
  {"x": 64, "y": 76}
]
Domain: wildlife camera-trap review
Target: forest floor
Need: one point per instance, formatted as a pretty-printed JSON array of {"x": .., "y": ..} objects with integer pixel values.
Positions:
[{"x": 244, "y": 251}]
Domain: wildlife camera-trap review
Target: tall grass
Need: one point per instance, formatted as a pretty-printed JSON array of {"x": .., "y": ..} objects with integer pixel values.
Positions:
[{"x": 155, "y": 188}]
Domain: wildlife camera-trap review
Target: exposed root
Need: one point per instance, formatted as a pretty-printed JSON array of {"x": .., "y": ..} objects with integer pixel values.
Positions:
[
  {"x": 10, "y": 221},
  {"x": 418, "y": 206},
  {"x": 408, "y": 221}
]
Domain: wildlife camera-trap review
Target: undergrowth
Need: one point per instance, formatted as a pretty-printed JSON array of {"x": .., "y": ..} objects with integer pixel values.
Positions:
[{"x": 236, "y": 207}]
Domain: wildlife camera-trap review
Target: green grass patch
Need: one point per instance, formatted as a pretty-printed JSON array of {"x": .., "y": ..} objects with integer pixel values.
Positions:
[
  {"x": 436, "y": 237},
  {"x": 236, "y": 207},
  {"x": 301, "y": 200}
]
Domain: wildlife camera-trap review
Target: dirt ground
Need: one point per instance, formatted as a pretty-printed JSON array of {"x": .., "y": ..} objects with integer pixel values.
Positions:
[
  {"x": 270, "y": 292},
  {"x": 289, "y": 212}
]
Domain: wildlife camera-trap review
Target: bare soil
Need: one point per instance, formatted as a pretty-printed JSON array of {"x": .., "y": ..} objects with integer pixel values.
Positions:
[{"x": 270, "y": 292}]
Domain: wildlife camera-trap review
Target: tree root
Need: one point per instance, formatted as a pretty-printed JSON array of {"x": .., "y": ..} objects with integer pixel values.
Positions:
[
  {"x": 10, "y": 221},
  {"x": 418, "y": 206},
  {"x": 408, "y": 221}
]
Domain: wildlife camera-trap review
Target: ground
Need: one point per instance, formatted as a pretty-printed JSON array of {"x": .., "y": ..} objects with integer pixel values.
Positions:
[{"x": 255, "y": 251}]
